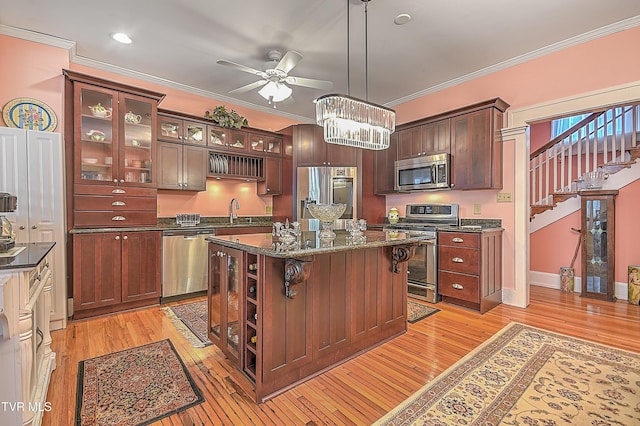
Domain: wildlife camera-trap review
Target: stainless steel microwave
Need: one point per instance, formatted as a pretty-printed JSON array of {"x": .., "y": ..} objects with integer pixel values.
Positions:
[{"x": 423, "y": 173}]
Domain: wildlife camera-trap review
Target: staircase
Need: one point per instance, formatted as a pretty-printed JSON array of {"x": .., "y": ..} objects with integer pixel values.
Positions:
[{"x": 606, "y": 140}]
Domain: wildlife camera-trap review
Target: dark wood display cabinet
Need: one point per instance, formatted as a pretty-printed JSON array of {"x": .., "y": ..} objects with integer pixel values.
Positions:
[
  {"x": 470, "y": 268},
  {"x": 110, "y": 144},
  {"x": 172, "y": 128},
  {"x": 225, "y": 298},
  {"x": 598, "y": 244},
  {"x": 114, "y": 271}
]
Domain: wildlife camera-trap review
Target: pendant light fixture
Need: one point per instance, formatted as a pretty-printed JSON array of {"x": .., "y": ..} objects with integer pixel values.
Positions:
[{"x": 354, "y": 122}]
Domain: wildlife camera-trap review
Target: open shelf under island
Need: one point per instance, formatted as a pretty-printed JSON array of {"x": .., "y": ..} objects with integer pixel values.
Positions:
[{"x": 285, "y": 314}]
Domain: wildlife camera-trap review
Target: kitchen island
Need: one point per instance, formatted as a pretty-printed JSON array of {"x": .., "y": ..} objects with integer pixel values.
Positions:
[{"x": 283, "y": 313}]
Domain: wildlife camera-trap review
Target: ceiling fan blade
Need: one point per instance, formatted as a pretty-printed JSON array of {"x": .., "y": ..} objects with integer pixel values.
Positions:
[
  {"x": 309, "y": 82},
  {"x": 250, "y": 86},
  {"x": 288, "y": 61},
  {"x": 242, "y": 68}
]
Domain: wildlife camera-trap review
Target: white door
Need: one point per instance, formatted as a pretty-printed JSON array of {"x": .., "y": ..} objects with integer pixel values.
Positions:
[{"x": 13, "y": 178}]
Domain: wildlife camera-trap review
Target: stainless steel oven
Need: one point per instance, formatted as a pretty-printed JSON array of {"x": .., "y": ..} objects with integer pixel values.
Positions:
[{"x": 424, "y": 220}]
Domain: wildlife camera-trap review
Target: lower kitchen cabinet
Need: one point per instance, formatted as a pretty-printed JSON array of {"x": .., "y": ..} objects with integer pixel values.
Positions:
[
  {"x": 113, "y": 271},
  {"x": 225, "y": 298},
  {"x": 470, "y": 268}
]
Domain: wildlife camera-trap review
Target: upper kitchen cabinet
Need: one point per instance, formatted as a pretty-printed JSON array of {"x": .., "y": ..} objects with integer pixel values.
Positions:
[
  {"x": 113, "y": 132},
  {"x": 222, "y": 139},
  {"x": 176, "y": 129},
  {"x": 182, "y": 166},
  {"x": 384, "y": 167},
  {"x": 427, "y": 139},
  {"x": 312, "y": 150},
  {"x": 263, "y": 143},
  {"x": 476, "y": 148}
]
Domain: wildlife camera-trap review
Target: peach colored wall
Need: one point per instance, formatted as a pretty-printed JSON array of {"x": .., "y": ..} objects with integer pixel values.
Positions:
[
  {"x": 32, "y": 70},
  {"x": 557, "y": 75},
  {"x": 539, "y": 134},
  {"x": 215, "y": 202}
]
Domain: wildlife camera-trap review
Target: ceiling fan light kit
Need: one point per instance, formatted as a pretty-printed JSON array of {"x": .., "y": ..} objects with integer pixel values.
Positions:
[{"x": 354, "y": 122}]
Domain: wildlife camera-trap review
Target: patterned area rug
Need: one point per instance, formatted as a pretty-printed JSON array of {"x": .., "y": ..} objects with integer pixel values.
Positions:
[
  {"x": 417, "y": 311},
  {"x": 191, "y": 320},
  {"x": 528, "y": 376},
  {"x": 136, "y": 386}
]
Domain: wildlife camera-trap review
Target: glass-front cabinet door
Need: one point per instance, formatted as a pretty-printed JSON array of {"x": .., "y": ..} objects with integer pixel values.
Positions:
[
  {"x": 234, "y": 277},
  {"x": 598, "y": 237},
  {"x": 215, "y": 294},
  {"x": 136, "y": 150},
  {"x": 96, "y": 130}
]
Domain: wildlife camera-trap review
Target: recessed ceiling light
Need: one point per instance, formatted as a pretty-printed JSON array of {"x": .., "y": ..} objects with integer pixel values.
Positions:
[
  {"x": 121, "y": 37},
  {"x": 402, "y": 19}
]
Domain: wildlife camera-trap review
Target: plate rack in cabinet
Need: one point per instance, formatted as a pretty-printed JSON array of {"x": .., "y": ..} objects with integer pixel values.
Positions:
[{"x": 252, "y": 281}]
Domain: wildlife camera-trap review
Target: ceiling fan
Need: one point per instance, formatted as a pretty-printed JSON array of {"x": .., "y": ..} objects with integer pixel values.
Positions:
[{"x": 275, "y": 77}]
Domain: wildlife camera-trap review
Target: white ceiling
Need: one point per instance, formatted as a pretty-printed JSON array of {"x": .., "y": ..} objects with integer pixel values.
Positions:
[{"x": 446, "y": 41}]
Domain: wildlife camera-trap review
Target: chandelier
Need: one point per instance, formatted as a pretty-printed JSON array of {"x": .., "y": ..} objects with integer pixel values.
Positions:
[{"x": 351, "y": 121}]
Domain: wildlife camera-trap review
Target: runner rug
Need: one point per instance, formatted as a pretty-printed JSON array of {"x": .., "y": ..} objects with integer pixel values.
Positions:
[
  {"x": 136, "y": 386},
  {"x": 528, "y": 376},
  {"x": 191, "y": 320},
  {"x": 417, "y": 311}
]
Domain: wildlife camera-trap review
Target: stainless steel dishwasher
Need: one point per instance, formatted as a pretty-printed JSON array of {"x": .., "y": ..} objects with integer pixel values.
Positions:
[{"x": 184, "y": 261}]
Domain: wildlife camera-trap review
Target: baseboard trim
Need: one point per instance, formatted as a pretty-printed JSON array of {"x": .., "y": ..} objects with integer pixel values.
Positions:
[{"x": 549, "y": 280}]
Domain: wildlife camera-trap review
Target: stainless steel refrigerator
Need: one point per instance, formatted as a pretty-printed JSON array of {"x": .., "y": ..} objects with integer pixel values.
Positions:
[{"x": 325, "y": 185}]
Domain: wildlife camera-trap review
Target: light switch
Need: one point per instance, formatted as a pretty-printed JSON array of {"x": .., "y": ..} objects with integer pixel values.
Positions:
[{"x": 477, "y": 208}]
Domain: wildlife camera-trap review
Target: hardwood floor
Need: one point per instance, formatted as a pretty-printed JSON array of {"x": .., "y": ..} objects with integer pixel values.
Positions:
[{"x": 357, "y": 392}]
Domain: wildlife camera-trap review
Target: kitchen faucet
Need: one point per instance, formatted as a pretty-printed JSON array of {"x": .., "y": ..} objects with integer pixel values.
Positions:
[{"x": 233, "y": 215}]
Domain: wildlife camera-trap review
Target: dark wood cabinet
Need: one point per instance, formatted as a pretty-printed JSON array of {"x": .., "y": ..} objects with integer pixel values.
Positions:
[
  {"x": 225, "y": 301},
  {"x": 110, "y": 132},
  {"x": 476, "y": 148},
  {"x": 264, "y": 143},
  {"x": 409, "y": 142},
  {"x": 311, "y": 149},
  {"x": 598, "y": 244},
  {"x": 177, "y": 129},
  {"x": 271, "y": 184},
  {"x": 436, "y": 137},
  {"x": 470, "y": 268},
  {"x": 384, "y": 181},
  {"x": 182, "y": 167},
  {"x": 113, "y": 271}
]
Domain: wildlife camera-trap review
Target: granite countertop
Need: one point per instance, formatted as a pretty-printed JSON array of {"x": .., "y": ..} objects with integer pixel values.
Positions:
[
  {"x": 29, "y": 257},
  {"x": 169, "y": 224},
  {"x": 309, "y": 244}
]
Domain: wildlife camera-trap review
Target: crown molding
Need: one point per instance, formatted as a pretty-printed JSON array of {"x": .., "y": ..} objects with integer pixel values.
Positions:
[
  {"x": 573, "y": 41},
  {"x": 37, "y": 37}
]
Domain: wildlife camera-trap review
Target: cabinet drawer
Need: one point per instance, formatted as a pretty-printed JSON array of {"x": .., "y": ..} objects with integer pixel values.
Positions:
[
  {"x": 116, "y": 203},
  {"x": 107, "y": 219},
  {"x": 464, "y": 260},
  {"x": 114, "y": 190},
  {"x": 459, "y": 239},
  {"x": 459, "y": 286}
]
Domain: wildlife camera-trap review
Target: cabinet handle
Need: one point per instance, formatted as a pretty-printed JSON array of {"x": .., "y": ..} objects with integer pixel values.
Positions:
[
  {"x": 457, "y": 260},
  {"x": 115, "y": 181},
  {"x": 268, "y": 190},
  {"x": 121, "y": 180},
  {"x": 457, "y": 240},
  {"x": 119, "y": 203},
  {"x": 125, "y": 238},
  {"x": 117, "y": 237},
  {"x": 34, "y": 227},
  {"x": 457, "y": 286},
  {"x": 118, "y": 218},
  {"x": 118, "y": 190},
  {"x": 21, "y": 228}
]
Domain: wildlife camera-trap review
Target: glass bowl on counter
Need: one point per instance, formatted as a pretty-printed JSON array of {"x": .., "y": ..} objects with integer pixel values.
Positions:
[{"x": 326, "y": 214}]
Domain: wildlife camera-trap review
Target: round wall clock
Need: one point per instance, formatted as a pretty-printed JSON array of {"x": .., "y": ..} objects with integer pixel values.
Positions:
[{"x": 29, "y": 114}]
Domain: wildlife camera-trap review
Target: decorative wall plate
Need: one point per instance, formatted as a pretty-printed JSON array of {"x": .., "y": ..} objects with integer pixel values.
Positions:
[{"x": 30, "y": 114}]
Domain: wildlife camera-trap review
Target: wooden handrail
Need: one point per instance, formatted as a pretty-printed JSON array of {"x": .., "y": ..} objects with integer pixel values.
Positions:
[{"x": 591, "y": 117}]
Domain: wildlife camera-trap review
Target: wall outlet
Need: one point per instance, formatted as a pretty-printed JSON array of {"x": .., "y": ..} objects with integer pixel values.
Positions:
[
  {"x": 268, "y": 210},
  {"x": 477, "y": 208},
  {"x": 504, "y": 197}
]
